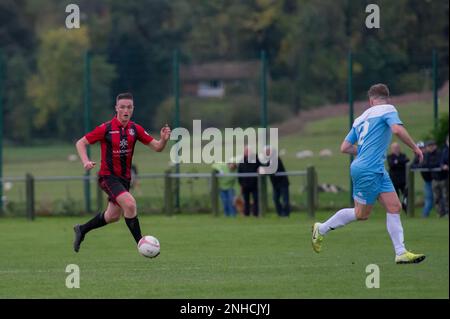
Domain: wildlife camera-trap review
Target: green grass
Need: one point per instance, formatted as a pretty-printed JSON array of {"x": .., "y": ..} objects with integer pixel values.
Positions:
[{"x": 207, "y": 257}]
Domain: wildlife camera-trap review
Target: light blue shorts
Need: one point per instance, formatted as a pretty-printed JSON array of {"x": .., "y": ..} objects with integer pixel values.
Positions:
[{"x": 368, "y": 185}]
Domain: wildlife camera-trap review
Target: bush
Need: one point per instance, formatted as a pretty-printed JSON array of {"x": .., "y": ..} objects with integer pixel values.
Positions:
[
  {"x": 440, "y": 133},
  {"x": 414, "y": 82},
  {"x": 231, "y": 111}
]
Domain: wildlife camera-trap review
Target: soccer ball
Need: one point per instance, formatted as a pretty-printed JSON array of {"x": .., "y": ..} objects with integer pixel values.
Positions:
[{"x": 149, "y": 246}]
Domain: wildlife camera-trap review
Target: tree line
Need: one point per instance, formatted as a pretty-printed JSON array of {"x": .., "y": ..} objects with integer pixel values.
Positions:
[{"x": 132, "y": 44}]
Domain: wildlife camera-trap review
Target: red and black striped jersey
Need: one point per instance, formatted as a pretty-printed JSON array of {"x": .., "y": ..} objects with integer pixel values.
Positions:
[{"x": 117, "y": 146}]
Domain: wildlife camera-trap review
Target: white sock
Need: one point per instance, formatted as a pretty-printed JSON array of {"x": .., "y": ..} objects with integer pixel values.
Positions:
[
  {"x": 340, "y": 219},
  {"x": 395, "y": 230}
]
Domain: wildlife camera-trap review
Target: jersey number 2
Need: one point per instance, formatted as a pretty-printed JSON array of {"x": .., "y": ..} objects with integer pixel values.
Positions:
[{"x": 364, "y": 129}]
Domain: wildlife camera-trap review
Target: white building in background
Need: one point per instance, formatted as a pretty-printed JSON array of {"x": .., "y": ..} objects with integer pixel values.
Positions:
[{"x": 217, "y": 79}]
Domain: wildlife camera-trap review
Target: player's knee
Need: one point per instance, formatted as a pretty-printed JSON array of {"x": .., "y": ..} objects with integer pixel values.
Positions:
[
  {"x": 361, "y": 215},
  {"x": 395, "y": 208},
  {"x": 112, "y": 217},
  {"x": 129, "y": 206}
]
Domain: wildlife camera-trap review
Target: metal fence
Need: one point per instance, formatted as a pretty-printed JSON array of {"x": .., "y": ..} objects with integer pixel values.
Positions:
[
  {"x": 34, "y": 196},
  {"x": 199, "y": 193}
]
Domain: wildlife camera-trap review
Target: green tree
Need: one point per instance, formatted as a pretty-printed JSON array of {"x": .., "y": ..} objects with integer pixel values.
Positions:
[
  {"x": 143, "y": 37},
  {"x": 57, "y": 88},
  {"x": 17, "y": 42},
  {"x": 440, "y": 133},
  {"x": 400, "y": 52},
  {"x": 313, "y": 52},
  {"x": 307, "y": 43}
]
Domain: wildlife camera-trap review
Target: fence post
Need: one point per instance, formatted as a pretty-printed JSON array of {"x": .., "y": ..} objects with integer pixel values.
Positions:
[
  {"x": 435, "y": 90},
  {"x": 168, "y": 202},
  {"x": 29, "y": 181},
  {"x": 262, "y": 194},
  {"x": 311, "y": 199},
  {"x": 410, "y": 208},
  {"x": 215, "y": 193},
  {"x": 99, "y": 198},
  {"x": 87, "y": 124},
  {"x": 264, "y": 206},
  {"x": 316, "y": 189}
]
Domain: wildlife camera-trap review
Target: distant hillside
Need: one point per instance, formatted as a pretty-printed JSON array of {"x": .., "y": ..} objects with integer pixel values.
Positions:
[
  {"x": 297, "y": 123},
  {"x": 241, "y": 110}
]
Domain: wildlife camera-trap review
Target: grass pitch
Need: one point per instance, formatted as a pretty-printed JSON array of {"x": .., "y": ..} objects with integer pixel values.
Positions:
[{"x": 207, "y": 257}]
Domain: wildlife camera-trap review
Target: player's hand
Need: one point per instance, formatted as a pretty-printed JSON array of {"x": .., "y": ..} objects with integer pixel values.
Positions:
[
  {"x": 89, "y": 165},
  {"x": 419, "y": 154},
  {"x": 165, "y": 132}
]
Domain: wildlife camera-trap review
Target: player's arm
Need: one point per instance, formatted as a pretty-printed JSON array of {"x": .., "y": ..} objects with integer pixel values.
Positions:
[
  {"x": 82, "y": 152},
  {"x": 159, "y": 145},
  {"x": 349, "y": 148},
  {"x": 90, "y": 138},
  {"x": 348, "y": 145},
  {"x": 404, "y": 136}
]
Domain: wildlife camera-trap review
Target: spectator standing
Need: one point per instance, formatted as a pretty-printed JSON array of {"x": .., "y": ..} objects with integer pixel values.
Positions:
[
  {"x": 444, "y": 167},
  {"x": 280, "y": 184},
  {"x": 427, "y": 181},
  {"x": 226, "y": 186},
  {"x": 397, "y": 171},
  {"x": 439, "y": 177},
  {"x": 249, "y": 185}
]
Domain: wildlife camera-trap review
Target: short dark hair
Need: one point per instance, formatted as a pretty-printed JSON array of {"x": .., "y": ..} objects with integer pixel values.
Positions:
[
  {"x": 378, "y": 91},
  {"x": 124, "y": 96}
]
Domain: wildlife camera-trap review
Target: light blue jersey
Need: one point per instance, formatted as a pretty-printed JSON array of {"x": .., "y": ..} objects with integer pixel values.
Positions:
[{"x": 372, "y": 131}]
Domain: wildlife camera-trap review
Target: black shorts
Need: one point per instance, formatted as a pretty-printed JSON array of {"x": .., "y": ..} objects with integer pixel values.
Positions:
[{"x": 113, "y": 186}]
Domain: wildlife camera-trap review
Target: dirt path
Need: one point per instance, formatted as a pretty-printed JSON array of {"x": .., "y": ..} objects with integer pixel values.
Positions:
[{"x": 297, "y": 123}]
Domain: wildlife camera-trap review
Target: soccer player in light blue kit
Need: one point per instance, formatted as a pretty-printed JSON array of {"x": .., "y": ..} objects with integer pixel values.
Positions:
[{"x": 372, "y": 132}]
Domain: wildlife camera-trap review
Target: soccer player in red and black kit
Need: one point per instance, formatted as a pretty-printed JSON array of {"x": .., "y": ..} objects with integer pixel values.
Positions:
[{"x": 118, "y": 138}]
